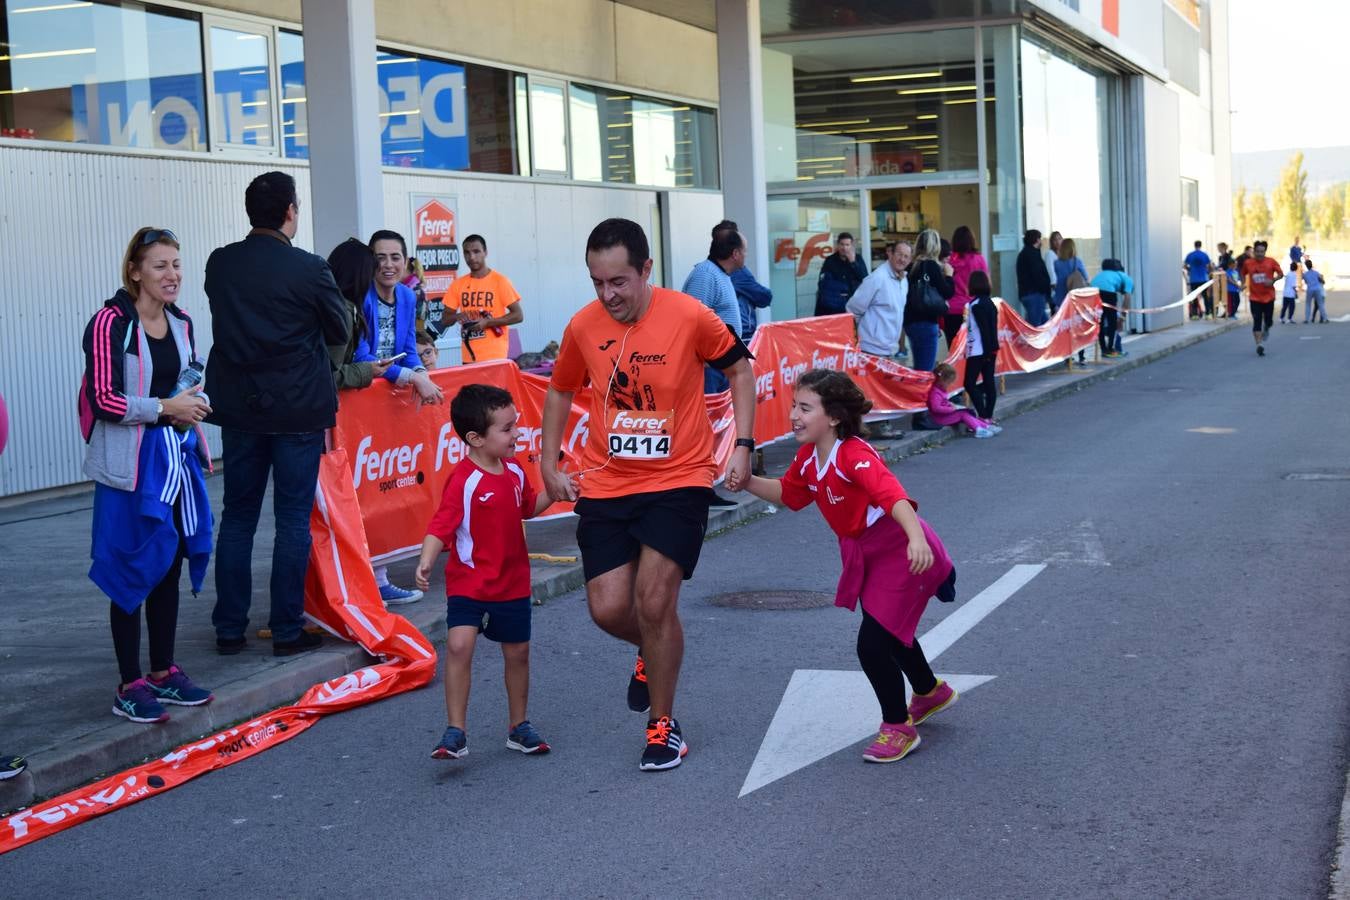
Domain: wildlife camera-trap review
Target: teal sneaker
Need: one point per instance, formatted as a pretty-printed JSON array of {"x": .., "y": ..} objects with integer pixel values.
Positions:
[
  {"x": 178, "y": 690},
  {"x": 139, "y": 704}
]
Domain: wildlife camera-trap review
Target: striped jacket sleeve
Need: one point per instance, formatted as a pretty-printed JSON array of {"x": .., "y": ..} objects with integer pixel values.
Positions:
[{"x": 104, "y": 368}]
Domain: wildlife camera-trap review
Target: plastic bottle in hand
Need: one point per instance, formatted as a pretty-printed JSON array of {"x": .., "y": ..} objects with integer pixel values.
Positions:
[{"x": 188, "y": 379}]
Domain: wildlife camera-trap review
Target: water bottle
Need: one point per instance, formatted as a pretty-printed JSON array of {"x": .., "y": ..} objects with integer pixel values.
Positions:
[{"x": 188, "y": 379}]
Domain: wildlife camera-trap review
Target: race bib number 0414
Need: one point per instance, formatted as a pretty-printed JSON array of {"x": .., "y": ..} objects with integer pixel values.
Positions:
[{"x": 641, "y": 434}]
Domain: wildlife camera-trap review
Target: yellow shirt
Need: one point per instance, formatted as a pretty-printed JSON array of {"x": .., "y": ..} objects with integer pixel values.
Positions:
[{"x": 481, "y": 298}]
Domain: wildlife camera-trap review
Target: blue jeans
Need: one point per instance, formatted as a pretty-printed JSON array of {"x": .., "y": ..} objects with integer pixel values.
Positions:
[
  {"x": 293, "y": 461},
  {"x": 923, "y": 344},
  {"x": 1034, "y": 305}
]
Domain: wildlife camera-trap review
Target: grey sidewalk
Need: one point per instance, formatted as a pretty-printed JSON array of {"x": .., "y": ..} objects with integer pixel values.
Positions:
[{"x": 57, "y": 671}]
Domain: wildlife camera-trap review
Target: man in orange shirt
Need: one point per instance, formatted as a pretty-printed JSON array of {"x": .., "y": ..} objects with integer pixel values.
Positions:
[
  {"x": 647, "y": 465},
  {"x": 486, "y": 304},
  {"x": 1259, "y": 275}
]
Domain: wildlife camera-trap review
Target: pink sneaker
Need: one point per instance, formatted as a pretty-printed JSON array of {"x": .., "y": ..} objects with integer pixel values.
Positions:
[
  {"x": 939, "y": 698},
  {"x": 892, "y": 743}
]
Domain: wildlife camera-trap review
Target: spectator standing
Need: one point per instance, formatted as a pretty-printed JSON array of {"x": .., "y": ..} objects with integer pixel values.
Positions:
[
  {"x": 1315, "y": 294},
  {"x": 964, "y": 260},
  {"x": 1197, "y": 267},
  {"x": 709, "y": 282},
  {"x": 1050, "y": 254},
  {"x": 275, "y": 310},
  {"x": 1115, "y": 287},
  {"x": 927, "y": 277},
  {"x": 1291, "y": 285},
  {"x": 879, "y": 303},
  {"x": 840, "y": 274},
  {"x": 1296, "y": 251},
  {"x": 414, "y": 281},
  {"x": 486, "y": 304},
  {"x": 982, "y": 346},
  {"x": 353, "y": 268},
  {"x": 1259, "y": 275},
  {"x": 1222, "y": 266},
  {"x": 1034, "y": 279},
  {"x": 750, "y": 294},
  {"x": 1067, "y": 266},
  {"x": 145, "y": 456}
]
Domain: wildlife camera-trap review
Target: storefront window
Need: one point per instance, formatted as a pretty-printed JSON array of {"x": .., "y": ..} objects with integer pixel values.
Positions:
[
  {"x": 873, "y": 107},
  {"x": 548, "y": 115},
  {"x": 294, "y": 109},
  {"x": 802, "y": 232},
  {"x": 98, "y": 73},
  {"x": 442, "y": 115},
  {"x": 1065, "y": 118},
  {"x": 241, "y": 78},
  {"x": 630, "y": 139}
]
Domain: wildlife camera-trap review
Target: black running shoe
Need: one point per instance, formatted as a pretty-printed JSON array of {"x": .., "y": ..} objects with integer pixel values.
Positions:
[
  {"x": 946, "y": 591},
  {"x": 1260, "y": 349},
  {"x": 639, "y": 698},
  {"x": 304, "y": 643},
  {"x": 11, "y": 766},
  {"x": 665, "y": 745}
]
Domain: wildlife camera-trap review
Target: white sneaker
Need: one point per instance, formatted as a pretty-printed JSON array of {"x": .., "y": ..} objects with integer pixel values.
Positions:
[{"x": 984, "y": 433}]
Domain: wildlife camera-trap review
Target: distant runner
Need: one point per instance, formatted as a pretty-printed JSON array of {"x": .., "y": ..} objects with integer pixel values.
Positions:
[
  {"x": 1259, "y": 275},
  {"x": 647, "y": 467}
]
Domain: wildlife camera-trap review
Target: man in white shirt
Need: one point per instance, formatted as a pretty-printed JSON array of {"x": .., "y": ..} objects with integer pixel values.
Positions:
[{"x": 879, "y": 302}]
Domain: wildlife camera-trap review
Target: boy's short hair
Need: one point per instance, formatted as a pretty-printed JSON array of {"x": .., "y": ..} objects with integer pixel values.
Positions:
[
  {"x": 473, "y": 406},
  {"x": 424, "y": 338}
]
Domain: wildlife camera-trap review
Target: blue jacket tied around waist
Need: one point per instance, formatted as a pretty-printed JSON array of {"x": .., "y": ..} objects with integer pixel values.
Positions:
[{"x": 135, "y": 536}]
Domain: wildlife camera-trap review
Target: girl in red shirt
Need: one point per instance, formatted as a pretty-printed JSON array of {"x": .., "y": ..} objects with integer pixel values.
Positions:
[{"x": 892, "y": 560}]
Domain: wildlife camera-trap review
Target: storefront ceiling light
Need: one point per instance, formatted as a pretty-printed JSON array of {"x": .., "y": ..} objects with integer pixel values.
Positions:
[
  {"x": 253, "y": 72},
  {"x": 291, "y": 122},
  {"x": 806, "y": 178},
  {"x": 285, "y": 100},
  {"x": 44, "y": 54},
  {"x": 298, "y": 134},
  {"x": 832, "y": 124},
  {"x": 926, "y": 116},
  {"x": 926, "y": 146},
  {"x": 401, "y": 112},
  {"x": 944, "y": 89},
  {"x": 248, "y": 37},
  {"x": 52, "y": 8},
  {"x": 256, "y": 128},
  {"x": 682, "y": 143},
  {"x": 619, "y": 97},
  {"x": 393, "y": 60},
  {"x": 620, "y": 125},
  {"x": 869, "y": 140},
  {"x": 966, "y": 100},
  {"x": 618, "y": 156},
  {"x": 880, "y": 128},
  {"x": 917, "y": 137},
  {"x": 817, "y": 159},
  {"x": 898, "y": 76},
  {"x": 829, "y": 171},
  {"x": 929, "y": 171},
  {"x": 253, "y": 104}
]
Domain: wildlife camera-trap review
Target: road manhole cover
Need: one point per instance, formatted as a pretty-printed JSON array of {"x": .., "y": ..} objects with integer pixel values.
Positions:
[
  {"x": 773, "y": 600},
  {"x": 1317, "y": 476}
]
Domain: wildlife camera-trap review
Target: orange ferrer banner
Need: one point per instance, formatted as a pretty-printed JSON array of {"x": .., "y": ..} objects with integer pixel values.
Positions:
[
  {"x": 402, "y": 452},
  {"x": 340, "y": 594}
]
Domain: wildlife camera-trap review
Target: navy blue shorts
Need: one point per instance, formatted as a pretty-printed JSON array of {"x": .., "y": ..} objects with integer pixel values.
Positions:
[{"x": 503, "y": 621}]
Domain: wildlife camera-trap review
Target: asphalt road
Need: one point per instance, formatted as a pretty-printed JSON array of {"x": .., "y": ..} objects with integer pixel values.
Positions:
[{"x": 1168, "y": 714}]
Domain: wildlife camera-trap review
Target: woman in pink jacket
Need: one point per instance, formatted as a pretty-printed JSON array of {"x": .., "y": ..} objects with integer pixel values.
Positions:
[{"x": 964, "y": 260}]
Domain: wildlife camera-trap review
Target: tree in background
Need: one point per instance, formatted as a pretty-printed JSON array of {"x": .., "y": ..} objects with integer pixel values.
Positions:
[
  {"x": 1291, "y": 199},
  {"x": 1240, "y": 231},
  {"x": 1258, "y": 215},
  {"x": 1328, "y": 211}
]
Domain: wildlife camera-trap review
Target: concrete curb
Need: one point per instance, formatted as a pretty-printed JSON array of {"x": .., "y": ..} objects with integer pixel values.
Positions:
[
  {"x": 109, "y": 749},
  {"x": 1340, "y": 862}
]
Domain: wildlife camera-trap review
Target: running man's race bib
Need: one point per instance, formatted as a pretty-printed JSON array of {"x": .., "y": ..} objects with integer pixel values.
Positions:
[{"x": 641, "y": 434}]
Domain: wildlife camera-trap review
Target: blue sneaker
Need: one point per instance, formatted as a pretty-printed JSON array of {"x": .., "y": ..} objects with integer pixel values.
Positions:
[
  {"x": 138, "y": 704},
  {"x": 454, "y": 745},
  {"x": 393, "y": 595},
  {"x": 178, "y": 690},
  {"x": 525, "y": 739}
]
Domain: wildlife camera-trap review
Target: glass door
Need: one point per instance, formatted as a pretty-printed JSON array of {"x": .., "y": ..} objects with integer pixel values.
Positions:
[
  {"x": 900, "y": 213},
  {"x": 802, "y": 231}
]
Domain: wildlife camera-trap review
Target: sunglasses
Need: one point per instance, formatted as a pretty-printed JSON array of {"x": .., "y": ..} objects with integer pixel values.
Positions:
[{"x": 157, "y": 234}]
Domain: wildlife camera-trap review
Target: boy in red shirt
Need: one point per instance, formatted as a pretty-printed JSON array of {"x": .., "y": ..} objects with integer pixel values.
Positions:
[
  {"x": 488, "y": 576},
  {"x": 1259, "y": 275}
]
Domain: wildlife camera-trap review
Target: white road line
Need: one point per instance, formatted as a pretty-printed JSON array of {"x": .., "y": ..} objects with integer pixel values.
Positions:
[{"x": 968, "y": 615}]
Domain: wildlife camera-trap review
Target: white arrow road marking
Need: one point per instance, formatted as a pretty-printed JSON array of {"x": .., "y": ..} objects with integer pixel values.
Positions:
[{"x": 825, "y": 711}]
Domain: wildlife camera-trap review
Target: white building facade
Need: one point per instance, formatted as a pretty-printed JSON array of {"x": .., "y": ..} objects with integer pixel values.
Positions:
[{"x": 533, "y": 119}]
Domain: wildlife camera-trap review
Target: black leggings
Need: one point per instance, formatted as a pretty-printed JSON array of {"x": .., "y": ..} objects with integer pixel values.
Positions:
[
  {"x": 1106, "y": 337},
  {"x": 161, "y": 621},
  {"x": 980, "y": 384},
  {"x": 1262, "y": 314},
  {"x": 884, "y": 658}
]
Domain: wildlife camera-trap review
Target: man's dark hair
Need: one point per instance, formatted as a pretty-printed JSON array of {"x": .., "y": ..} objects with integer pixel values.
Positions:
[
  {"x": 1113, "y": 265},
  {"x": 1261, "y": 245},
  {"x": 725, "y": 225},
  {"x": 268, "y": 197},
  {"x": 890, "y": 246},
  {"x": 474, "y": 237},
  {"x": 1199, "y": 244},
  {"x": 623, "y": 233},
  {"x": 473, "y": 406},
  {"x": 353, "y": 268},
  {"x": 963, "y": 240},
  {"x": 385, "y": 234},
  {"x": 843, "y": 236},
  {"x": 724, "y": 244},
  {"x": 1031, "y": 238}
]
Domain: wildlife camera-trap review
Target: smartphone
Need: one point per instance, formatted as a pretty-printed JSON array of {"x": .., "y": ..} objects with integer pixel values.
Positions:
[{"x": 393, "y": 359}]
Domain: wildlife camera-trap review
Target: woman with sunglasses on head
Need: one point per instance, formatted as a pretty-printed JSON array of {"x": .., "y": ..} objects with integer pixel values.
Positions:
[{"x": 141, "y": 409}]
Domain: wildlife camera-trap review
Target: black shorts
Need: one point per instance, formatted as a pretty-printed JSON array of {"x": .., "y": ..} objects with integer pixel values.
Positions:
[
  {"x": 611, "y": 532},
  {"x": 1263, "y": 314},
  {"x": 503, "y": 621}
]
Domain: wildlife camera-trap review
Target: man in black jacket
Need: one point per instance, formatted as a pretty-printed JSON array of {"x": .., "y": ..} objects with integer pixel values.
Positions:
[
  {"x": 274, "y": 311},
  {"x": 1033, "y": 281},
  {"x": 840, "y": 274}
]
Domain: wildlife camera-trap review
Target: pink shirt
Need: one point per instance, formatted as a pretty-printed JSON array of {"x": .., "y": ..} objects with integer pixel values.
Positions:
[{"x": 962, "y": 265}]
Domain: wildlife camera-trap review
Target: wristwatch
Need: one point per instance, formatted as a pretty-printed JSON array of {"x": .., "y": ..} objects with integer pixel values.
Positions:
[
  {"x": 159, "y": 408},
  {"x": 747, "y": 443}
]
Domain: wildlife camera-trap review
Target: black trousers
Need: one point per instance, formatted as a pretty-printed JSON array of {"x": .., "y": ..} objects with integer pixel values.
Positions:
[
  {"x": 980, "y": 384},
  {"x": 887, "y": 662},
  {"x": 951, "y": 324},
  {"x": 1106, "y": 336},
  {"x": 161, "y": 621}
]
